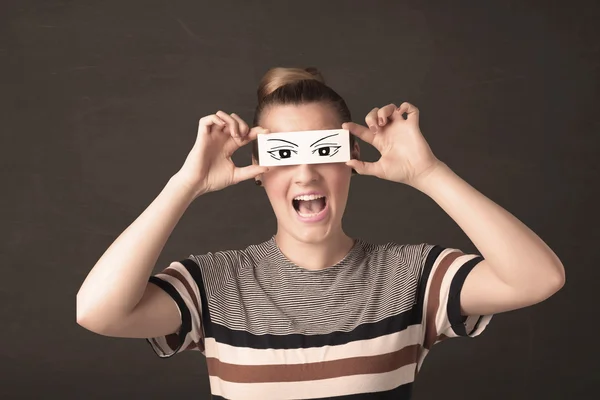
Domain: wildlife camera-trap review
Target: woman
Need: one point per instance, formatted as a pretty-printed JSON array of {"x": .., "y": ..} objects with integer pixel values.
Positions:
[{"x": 312, "y": 312}]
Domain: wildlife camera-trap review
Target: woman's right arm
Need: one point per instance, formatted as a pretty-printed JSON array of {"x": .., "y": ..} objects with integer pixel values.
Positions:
[{"x": 116, "y": 298}]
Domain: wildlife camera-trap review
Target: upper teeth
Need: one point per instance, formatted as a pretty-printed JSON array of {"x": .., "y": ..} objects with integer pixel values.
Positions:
[{"x": 309, "y": 197}]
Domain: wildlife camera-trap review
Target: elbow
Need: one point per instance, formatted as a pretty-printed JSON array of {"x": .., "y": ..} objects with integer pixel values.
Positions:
[
  {"x": 559, "y": 280},
  {"x": 88, "y": 319},
  {"x": 553, "y": 283},
  {"x": 93, "y": 324},
  {"x": 83, "y": 317}
]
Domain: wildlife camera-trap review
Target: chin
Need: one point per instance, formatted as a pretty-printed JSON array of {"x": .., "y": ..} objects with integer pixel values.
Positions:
[{"x": 313, "y": 233}]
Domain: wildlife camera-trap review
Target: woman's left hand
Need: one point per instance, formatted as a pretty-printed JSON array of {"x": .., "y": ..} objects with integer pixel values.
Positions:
[{"x": 405, "y": 155}]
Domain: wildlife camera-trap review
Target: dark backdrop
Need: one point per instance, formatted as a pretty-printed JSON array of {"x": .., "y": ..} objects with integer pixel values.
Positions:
[{"x": 100, "y": 106}]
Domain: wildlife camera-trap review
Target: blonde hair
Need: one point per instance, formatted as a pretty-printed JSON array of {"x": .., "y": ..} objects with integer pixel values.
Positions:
[
  {"x": 280, "y": 86},
  {"x": 278, "y": 77}
]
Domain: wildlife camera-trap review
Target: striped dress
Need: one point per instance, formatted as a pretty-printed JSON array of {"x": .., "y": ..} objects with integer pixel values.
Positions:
[{"x": 359, "y": 329}]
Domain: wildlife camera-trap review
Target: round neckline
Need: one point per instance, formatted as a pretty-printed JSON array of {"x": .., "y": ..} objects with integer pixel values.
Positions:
[{"x": 340, "y": 264}]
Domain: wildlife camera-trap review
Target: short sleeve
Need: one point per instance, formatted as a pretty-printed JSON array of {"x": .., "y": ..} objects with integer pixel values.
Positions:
[
  {"x": 441, "y": 276},
  {"x": 179, "y": 280}
]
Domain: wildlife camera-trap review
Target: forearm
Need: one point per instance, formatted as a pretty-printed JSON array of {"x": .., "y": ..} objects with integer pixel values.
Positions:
[
  {"x": 118, "y": 280},
  {"x": 518, "y": 256}
]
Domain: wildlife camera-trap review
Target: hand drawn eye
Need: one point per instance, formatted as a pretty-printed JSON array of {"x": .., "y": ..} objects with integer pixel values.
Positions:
[
  {"x": 327, "y": 151},
  {"x": 282, "y": 153}
]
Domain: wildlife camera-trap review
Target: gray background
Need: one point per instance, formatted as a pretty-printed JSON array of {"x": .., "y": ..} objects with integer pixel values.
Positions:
[{"x": 100, "y": 106}]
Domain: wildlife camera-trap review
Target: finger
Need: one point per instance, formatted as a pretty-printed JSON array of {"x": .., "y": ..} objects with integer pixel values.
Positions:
[
  {"x": 362, "y": 167},
  {"x": 232, "y": 124},
  {"x": 412, "y": 112},
  {"x": 235, "y": 143},
  {"x": 206, "y": 122},
  {"x": 360, "y": 131},
  {"x": 253, "y": 133},
  {"x": 371, "y": 119},
  {"x": 249, "y": 172},
  {"x": 384, "y": 113},
  {"x": 243, "y": 126}
]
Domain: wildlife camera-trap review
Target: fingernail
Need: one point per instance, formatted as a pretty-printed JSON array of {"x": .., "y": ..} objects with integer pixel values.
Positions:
[{"x": 381, "y": 121}]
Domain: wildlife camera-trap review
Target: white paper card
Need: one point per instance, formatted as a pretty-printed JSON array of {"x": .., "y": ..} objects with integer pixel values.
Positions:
[{"x": 303, "y": 147}]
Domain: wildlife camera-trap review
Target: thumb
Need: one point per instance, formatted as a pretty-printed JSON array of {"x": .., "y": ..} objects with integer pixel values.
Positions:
[
  {"x": 362, "y": 167},
  {"x": 249, "y": 172}
]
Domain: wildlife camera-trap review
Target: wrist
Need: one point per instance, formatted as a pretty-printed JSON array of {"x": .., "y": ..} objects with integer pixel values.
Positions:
[
  {"x": 427, "y": 180},
  {"x": 185, "y": 188}
]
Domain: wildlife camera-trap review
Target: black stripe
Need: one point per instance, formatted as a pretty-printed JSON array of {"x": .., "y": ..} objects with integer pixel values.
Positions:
[
  {"x": 402, "y": 392},
  {"x": 425, "y": 276},
  {"x": 194, "y": 270},
  {"x": 186, "y": 319},
  {"x": 457, "y": 320},
  {"x": 386, "y": 326}
]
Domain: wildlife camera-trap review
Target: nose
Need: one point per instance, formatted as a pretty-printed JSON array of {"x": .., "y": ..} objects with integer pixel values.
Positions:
[{"x": 305, "y": 174}]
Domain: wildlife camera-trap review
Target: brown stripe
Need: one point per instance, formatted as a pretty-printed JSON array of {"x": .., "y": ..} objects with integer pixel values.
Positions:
[
  {"x": 192, "y": 346},
  {"x": 433, "y": 301},
  {"x": 312, "y": 371},
  {"x": 177, "y": 275},
  {"x": 172, "y": 340},
  {"x": 419, "y": 355}
]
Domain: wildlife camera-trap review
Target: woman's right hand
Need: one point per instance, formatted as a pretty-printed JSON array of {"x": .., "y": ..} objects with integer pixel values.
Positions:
[{"x": 209, "y": 167}]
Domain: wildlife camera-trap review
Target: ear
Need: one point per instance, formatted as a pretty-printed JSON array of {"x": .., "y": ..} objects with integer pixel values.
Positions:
[
  {"x": 355, "y": 151},
  {"x": 355, "y": 154}
]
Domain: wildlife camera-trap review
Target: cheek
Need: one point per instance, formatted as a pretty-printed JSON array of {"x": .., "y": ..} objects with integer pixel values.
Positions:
[
  {"x": 338, "y": 177},
  {"x": 276, "y": 187}
]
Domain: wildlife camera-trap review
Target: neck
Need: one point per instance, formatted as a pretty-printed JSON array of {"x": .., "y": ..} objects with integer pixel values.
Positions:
[{"x": 314, "y": 255}]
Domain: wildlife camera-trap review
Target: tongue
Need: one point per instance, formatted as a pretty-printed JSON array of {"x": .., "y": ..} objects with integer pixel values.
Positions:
[{"x": 311, "y": 206}]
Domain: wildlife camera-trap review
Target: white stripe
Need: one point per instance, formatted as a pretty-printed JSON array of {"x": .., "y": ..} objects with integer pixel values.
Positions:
[
  {"x": 360, "y": 348},
  {"x": 347, "y": 385}
]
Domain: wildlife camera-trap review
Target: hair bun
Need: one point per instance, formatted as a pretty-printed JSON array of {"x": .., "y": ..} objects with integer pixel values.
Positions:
[
  {"x": 281, "y": 76},
  {"x": 315, "y": 73}
]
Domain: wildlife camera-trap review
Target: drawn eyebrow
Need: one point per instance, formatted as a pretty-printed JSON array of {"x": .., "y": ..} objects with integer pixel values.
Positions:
[
  {"x": 330, "y": 144},
  {"x": 335, "y": 134},
  {"x": 281, "y": 140}
]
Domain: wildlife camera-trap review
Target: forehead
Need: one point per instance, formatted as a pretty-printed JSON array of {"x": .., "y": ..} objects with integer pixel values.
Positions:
[{"x": 302, "y": 117}]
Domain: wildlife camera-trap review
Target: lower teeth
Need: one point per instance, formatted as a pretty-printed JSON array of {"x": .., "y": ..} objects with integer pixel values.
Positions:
[{"x": 308, "y": 215}]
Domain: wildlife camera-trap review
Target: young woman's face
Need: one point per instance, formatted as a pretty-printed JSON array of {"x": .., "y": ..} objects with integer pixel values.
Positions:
[{"x": 313, "y": 218}]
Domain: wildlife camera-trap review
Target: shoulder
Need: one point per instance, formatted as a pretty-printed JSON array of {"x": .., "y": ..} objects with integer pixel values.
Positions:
[
  {"x": 409, "y": 253},
  {"x": 232, "y": 259},
  {"x": 412, "y": 257}
]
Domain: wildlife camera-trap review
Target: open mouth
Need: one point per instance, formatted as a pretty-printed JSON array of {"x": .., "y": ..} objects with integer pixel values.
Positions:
[{"x": 308, "y": 206}]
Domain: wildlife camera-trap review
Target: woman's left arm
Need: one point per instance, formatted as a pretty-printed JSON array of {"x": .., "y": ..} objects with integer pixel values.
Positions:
[{"x": 518, "y": 269}]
